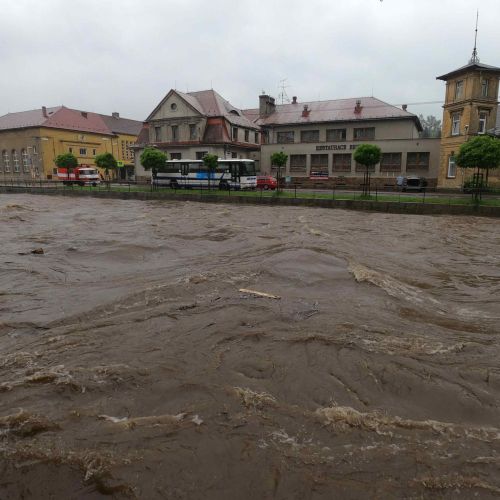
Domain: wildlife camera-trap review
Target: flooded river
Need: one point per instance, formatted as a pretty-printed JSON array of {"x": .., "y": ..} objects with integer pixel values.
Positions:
[{"x": 134, "y": 366}]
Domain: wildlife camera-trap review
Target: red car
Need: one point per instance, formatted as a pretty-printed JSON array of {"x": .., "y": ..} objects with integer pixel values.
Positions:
[{"x": 266, "y": 182}]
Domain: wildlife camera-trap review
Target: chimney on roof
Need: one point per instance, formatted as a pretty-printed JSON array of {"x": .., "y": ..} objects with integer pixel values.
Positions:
[
  {"x": 115, "y": 115},
  {"x": 266, "y": 105},
  {"x": 358, "y": 107},
  {"x": 405, "y": 107},
  {"x": 44, "y": 112},
  {"x": 305, "y": 111},
  {"x": 84, "y": 114},
  {"x": 294, "y": 99}
]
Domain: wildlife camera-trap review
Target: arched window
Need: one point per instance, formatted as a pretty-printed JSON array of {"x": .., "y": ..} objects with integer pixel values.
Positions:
[
  {"x": 6, "y": 161},
  {"x": 15, "y": 161},
  {"x": 24, "y": 156}
]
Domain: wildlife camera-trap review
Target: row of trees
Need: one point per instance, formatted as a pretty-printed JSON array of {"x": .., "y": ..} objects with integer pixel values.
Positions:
[
  {"x": 481, "y": 153},
  {"x": 106, "y": 161}
]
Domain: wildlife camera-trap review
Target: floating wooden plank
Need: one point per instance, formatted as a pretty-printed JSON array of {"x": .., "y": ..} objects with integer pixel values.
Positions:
[{"x": 260, "y": 294}]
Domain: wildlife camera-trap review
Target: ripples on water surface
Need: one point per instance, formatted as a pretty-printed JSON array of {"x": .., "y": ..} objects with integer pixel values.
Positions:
[{"x": 131, "y": 364}]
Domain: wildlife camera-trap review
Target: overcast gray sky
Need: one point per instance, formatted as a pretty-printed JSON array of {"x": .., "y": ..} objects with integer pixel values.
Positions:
[{"x": 124, "y": 55}]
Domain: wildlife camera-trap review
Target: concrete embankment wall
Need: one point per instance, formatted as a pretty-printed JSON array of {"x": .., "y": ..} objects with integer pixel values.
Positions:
[{"x": 373, "y": 206}]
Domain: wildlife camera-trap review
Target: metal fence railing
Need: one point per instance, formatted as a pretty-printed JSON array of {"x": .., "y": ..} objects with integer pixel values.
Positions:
[{"x": 315, "y": 191}]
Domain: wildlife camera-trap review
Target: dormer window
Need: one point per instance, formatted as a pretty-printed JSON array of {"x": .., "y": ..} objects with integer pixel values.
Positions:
[
  {"x": 459, "y": 90},
  {"x": 484, "y": 88},
  {"x": 234, "y": 112}
]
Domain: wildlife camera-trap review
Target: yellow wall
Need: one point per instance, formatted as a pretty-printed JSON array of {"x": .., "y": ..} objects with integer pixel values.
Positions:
[
  {"x": 55, "y": 142},
  {"x": 469, "y": 105}
]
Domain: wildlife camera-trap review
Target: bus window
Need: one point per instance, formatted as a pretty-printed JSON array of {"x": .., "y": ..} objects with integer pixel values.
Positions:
[
  {"x": 185, "y": 169},
  {"x": 247, "y": 168}
]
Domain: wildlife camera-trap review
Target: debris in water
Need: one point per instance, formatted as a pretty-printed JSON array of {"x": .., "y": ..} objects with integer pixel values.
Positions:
[
  {"x": 259, "y": 294},
  {"x": 38, "y": 251}
]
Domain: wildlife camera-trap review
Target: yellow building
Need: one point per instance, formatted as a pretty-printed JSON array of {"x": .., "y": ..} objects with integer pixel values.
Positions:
[
  {"x": 31, "y": 140},
  {"x": 470, "y": 109}
]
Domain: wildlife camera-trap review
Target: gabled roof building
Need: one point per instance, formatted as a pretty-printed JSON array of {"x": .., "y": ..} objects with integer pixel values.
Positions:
[{"x": 190, "y": 125}]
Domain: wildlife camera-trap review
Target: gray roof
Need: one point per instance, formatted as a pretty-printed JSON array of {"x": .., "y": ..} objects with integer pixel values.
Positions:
[
  {"x": 470, "y": 67},
  {"x": 122, "y": 125}
]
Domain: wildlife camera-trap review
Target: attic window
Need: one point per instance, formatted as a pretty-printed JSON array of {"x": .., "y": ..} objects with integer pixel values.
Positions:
[
  {"x": 234, "y": 112},
  {"x": 173, "y": 106}
]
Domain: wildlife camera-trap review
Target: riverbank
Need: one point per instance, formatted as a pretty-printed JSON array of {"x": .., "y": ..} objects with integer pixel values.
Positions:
[{"x": 382, "y": 203}]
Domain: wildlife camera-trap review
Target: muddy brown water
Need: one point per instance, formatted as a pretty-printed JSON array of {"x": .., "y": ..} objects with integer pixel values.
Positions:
[{"x": 132, "y": 365}]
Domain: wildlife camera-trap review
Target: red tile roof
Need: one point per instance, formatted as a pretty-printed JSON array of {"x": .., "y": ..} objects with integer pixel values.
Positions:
[
  {"x": 65, "y": 118},
  {"x": 338, "y": 110}
]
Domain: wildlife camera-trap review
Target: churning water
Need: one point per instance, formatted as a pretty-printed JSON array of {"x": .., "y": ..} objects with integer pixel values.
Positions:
[{"x": 133, "y": 365}]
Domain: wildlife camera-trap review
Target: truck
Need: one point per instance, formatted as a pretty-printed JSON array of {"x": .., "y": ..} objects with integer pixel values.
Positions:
[{"x": 83, "y": 175}]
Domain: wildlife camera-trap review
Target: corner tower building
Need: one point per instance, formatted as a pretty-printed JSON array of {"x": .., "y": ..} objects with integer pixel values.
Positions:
[{"x": 470, "y": 109}]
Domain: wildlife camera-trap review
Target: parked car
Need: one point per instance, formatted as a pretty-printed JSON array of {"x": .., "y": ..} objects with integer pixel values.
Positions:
[
  {"x": 414, "y": 184},
  {"x": 266, "y": 182}
]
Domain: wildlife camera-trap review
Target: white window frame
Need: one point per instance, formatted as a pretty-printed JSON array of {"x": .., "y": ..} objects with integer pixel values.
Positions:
[
  {"x": 15, "y": 161},
  {"x": 25, "y": 160},
  {"x": 83, "y": 151},
  {"x": 6, "y": 161},
  {"x": 452, "y": 167},
  {"x": 455, "y": 124},
  {"x": 482, "y": 123}
]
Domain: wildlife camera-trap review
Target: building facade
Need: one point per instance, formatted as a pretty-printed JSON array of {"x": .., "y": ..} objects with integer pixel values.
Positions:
[
  {"x": 320, "y": 138},
  {"x": 470, "y": 109},
  {"x": 191, "y": 125},
  {"x": 31, "y": 140}
]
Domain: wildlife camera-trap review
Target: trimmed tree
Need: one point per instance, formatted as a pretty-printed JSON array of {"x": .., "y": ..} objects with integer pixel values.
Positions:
[
  {"x": 368, "y": 155},
  {"x": 210, "y": 161},
  {"x": 67, "y": 161},
  {"x": 107, "y": 162},
  {"x": 279, "y": 160},
  {"x": 481, "y": 152},
  {"x": 153, "y": 159}
]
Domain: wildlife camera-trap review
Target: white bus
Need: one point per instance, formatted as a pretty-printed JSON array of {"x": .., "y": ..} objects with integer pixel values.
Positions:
[{"x": 229, "y": 174}]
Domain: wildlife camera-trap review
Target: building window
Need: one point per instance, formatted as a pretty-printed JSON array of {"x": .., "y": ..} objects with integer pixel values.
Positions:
[
  {"x": 15, "y": 160},
  {"x": 235, "y": 133},
  {"x": 25, "y": 160},
  {"x": 336, "y": 135},
  {"x": 201, "y": 154},
  {"x": 285, "y": 137},
  {"x": 175, "y": 133},
  {"x": 247, "y": 135},
  {"x": 94, "y": 152},
  {"x": 455, "y": 124},
  {"x": 192, "y": 132},
  {"x": 83, "y": 151},
  {"x": 459, "y": 90},
  {"x": 157, "y": 134},
  {"x": 482, "y": 123},
  {"x": 234, "y": 155},
  {"x": 297, "y": 163},
  {"x": 319, "y": 163},
  {"x": 417, "y": 161},
  {"x": 176, "y": 156},
  {"x": 6, "y": 161},
  {"x": 173, "y": 106},
  {"x": 390, "y": 162},
  {"x": 484, "y": 88},
  {"x": 309, "y": 136},
  {"x": 341, "y": 163},
  {"x": 362, "y": 168},
  {"x": 452, "y": 167},
  {"x": 364, "y": 134},
  {"x": 70, "y": 150},
  {"x": 256, "y": 138}
]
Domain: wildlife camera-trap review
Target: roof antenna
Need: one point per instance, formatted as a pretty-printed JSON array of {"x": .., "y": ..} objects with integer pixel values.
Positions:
[
  {"x": 475, "y": 59},
  {"x": 282, "y": 96}
]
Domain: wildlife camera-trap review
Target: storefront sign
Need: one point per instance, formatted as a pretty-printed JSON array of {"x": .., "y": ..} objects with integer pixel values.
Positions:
[{"x": 336, "y": 147}]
